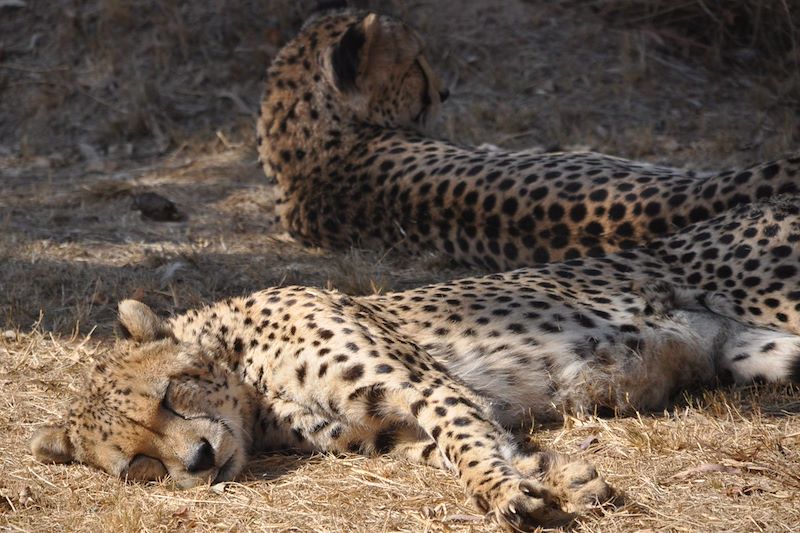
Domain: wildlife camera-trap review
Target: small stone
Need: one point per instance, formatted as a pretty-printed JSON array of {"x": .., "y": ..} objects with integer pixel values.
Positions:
[{"x": 156, "y": 207}]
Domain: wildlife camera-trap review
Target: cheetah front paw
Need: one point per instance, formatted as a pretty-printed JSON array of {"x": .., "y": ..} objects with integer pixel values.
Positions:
[
  {"x": 580, "y": 486},
  {"x": 526, "y": 504},
  {"x": 574, "y": 482}
]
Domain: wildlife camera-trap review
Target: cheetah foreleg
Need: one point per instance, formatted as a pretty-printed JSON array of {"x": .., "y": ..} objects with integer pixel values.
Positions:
[{"x": 481, "y": 452}]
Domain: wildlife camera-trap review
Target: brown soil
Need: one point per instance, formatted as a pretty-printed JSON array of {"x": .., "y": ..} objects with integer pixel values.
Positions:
[{"x": 104, "y": 100}]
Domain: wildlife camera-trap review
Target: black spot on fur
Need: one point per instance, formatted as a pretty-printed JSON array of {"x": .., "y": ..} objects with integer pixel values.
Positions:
[
  {"x": 353, "y": 373},
  {"x": 426, "y": 452},
  {"x": 384, "y": 441},
  {"x": 383, "y": 369},
  {"x": 795, "y": 370},
  {"x": 770, "y": 171},
  {"x": 301, "y": 373}
]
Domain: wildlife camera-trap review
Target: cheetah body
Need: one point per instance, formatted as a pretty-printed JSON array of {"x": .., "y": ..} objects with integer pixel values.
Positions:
[
  {"x": 338, "y": 130},
  {"x": 438, "y": 374}
]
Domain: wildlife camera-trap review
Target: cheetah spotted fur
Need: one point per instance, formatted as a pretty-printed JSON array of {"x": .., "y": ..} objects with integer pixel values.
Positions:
[
  {"x": 441, "y": 374},
  {"x": 338, "y": 130}
]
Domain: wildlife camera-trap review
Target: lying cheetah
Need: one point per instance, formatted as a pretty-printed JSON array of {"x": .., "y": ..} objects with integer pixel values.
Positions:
[
  {"x": 338, "y": 130},
  {"x": 440, "y": 374}
]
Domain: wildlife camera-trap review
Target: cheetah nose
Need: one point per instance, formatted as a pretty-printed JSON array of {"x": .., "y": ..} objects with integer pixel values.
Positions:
[
  {"x": 202, "y": 458},
  {"x": 443, "y": 94}
]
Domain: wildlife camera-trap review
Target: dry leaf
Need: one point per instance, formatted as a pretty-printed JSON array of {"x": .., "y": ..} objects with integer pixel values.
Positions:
[
  {"x": 183, "y": 512},
  {"x": 138, "y": 294},
  {"x": 588, "y": 441}
]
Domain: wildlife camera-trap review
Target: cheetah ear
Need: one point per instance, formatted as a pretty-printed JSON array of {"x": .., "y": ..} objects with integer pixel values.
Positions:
[
  {"x": 345, "y": 58},
  {"x": 349, "y": 55},
  {"x": 50, "y": 444},
  {"x": 140, "y": 323},
  {"x": 373, "y": 32}
]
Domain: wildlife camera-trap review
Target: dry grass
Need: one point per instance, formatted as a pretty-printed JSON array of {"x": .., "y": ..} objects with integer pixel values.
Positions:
[
  {"x": 718, "y": 30},
  {"x": 103, "y": 100}
]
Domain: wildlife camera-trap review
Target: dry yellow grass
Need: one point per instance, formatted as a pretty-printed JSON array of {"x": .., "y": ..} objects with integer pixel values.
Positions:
[{"x": 525, "y": 74}]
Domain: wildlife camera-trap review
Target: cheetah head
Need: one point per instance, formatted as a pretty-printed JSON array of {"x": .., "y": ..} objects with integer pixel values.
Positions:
[
  {"x": 160, "y": 408},
  {"x": 380, "y": 72}
]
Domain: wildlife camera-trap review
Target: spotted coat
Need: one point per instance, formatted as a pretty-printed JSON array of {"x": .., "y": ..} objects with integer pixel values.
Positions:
[
  {"x": 441, "y": 374},
  {"x": 338, "y": 130}
]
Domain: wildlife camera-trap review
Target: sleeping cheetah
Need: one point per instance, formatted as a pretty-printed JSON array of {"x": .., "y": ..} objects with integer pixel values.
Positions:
[
  {"x": 440, "y": 374},
  {"x": 338, "y": 130}
]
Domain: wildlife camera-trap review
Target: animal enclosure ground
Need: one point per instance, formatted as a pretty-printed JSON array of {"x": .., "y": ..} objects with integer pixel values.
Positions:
[{"x": 104, "y": 101}]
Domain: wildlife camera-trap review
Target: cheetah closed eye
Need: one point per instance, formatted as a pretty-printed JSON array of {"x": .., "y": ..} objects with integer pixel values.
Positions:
[
  {"x": 438, "y": 374},
  {"x": 338, "y": 130}
]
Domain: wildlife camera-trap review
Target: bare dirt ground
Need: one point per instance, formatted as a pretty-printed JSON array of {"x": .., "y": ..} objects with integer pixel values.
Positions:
[{"x": 101, "y": 101}]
